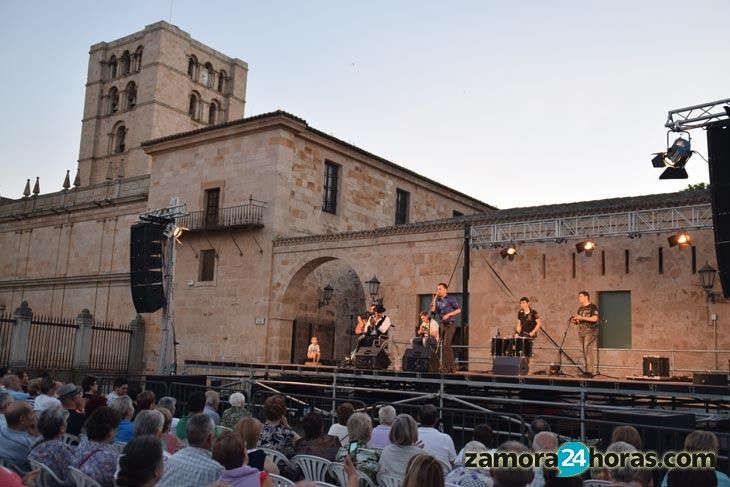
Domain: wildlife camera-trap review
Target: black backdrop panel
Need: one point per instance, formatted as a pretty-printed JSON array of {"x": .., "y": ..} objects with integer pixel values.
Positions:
[{"x": 718, "y": 149}]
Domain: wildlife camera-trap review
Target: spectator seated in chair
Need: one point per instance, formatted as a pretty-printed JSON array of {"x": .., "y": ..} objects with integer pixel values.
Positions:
[
  {"x": 359, "y": 429},
  {"x": 212, "y": 401},
  {"x": 339, "y": 429},
  {"x": 124, "y": 407},
  {"x": 249, "y": 429},
  {"x": 141, "y": 462},
  {"x": 19, "y": 435},
  {"x": 71, "y": 400},
  {"x": 47, "y": 397},
  {"x": 230, "y": 451},
  {"x": 403, "y": 438},
  {"x": 276, "y": 433},
  {"x": 380, "y": 438},
  {"x": 315, "y": 442},
  {"x": 435, "y": 442},
  {"x": 96, "y": 455},
  {"x": 194, "y": 466},
  {"x": 238, "y": 410},
  {"x": 424, "y": 470},
  {"x": 51, "y": 451}
]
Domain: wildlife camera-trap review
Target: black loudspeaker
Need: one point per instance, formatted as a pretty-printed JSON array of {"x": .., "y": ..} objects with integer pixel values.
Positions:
[
  {"x": 654, "y": 366},
  {"x": 510, "y": 366},
  {"x": 372, "y": 358},
  {"x": 718, "y": 149},
  {"x": 417, "y": 359},
  {"x": 709, "y": 379},
  {"x": 145, "y": 267}
]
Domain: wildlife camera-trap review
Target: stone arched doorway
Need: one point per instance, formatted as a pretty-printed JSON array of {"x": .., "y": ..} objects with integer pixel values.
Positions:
[{"x": 333, "y": 323}]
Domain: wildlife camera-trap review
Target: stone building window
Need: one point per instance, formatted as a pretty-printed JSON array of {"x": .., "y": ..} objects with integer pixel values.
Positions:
[
  {"x": 113, "y": 100},
  {"x": 125, "y": 62},
  {"x": 402, "y": 202},
  {"x": 213, "y": 112},
  {"x": 206, "y": 271},
  {"x": 207, "y": 79},
  {"x": 221, "y": 81},
  {"x": 120, "y": 134},
  {"x": 131, "y": 92},
  {"x": 138, "y": 59},
  {"x": 112, "y": 67},
  {"x": 331, "y": 182},
  {"x": 192, "y": 64},
  {"x": 193, "y": 105}
]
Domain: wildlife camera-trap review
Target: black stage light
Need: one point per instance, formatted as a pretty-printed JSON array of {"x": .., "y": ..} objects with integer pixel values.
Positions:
[
  {"x": 681, "y": 239},
  {"x": 508, "y": 252},
  {"x": 587, "y": 246},
  {"x": 674, "y": 159}
]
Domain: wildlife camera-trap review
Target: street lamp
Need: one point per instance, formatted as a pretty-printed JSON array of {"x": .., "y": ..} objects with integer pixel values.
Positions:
[
  {"x": 373, "y": 287},
  {"x": 326, "y": 295},
  {"x": 707, "y": 279}
]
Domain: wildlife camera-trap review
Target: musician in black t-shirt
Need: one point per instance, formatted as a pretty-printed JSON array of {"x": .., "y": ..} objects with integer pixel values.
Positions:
[
  {"x": 587, "y": 320},
  {"x": 528, "y": 320}
]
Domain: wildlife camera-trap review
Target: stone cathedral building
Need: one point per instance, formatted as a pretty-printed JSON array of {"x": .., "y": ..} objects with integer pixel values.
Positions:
[{"x": 278, "y": 211}]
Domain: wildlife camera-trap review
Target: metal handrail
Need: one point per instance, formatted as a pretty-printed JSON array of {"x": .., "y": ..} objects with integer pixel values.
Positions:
[{"x": 250, "y": 214}]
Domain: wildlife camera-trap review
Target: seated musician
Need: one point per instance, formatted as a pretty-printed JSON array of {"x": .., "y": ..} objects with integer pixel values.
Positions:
[
  {"x": 375, "y": 325},
  {"x": 427, "y": 332},
  {"x": 528, "y": 320}
]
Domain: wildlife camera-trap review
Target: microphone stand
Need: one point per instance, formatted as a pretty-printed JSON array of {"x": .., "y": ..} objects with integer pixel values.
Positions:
[{"x": 561, "y": 352}]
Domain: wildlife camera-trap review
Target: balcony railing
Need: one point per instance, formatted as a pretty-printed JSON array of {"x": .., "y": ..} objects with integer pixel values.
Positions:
[{"x": 249, "y": 215}]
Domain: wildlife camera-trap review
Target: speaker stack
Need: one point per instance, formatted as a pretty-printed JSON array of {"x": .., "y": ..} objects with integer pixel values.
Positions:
[
  {"x": 145, "y": 263},
  {"x": 718, "y": 149}
]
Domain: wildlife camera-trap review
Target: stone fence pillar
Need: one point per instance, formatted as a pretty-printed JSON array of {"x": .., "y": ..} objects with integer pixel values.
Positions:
[
  {"x": 135, "y": 358},
  {"x": 20, "y": 336},
  {"x": 82, "y": 349}
]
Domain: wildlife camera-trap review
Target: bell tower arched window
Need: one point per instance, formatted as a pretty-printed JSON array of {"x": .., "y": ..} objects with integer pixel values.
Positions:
[
  {"x": 138, "y": 59},
  {"x": 112, "y": 67},
  {"x": 131, "y": 92},
  {"x": 213, "y": 111},
  {"x": 120, "y": 136},
  {"x": 113, "y": 100},
  {"x": 222, "y": 81},
  {"x": 193, "y": 105},
  {"x": 125, "y": 61},
  {"x": 192, "y": 64}
]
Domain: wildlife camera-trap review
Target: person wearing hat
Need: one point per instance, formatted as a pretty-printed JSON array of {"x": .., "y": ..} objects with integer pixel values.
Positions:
[{"x": 71, "y": 400}]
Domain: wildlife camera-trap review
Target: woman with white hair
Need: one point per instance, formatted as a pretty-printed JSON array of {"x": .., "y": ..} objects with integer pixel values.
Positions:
[
  {"x": 233, "y": 414},
  {"x": 50, "y": 450},
  {"x": 124, "y": 407}
]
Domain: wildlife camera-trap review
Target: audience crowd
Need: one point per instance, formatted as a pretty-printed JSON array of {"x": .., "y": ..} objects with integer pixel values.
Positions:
[{"x": 129, "y": 439}]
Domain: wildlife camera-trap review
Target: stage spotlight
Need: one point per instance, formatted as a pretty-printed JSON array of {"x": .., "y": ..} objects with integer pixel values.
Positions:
[
  {"x": 681, "y": 239},
  {"x": 508, "y": 252},
  {"x": 674, "y": 159},
  {"x": 587, "y": 246},
  {"x": 173, "y": 231}
]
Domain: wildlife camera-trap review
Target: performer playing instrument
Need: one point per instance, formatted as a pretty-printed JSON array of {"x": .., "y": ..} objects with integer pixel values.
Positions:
[
  {"x": 376, "y": 325},
  {"x": 587, "y": 320},
  {"x": 528, "y": 320},
  {"x": 448, "y": 308},
  {"x": 427, "y": 332}
]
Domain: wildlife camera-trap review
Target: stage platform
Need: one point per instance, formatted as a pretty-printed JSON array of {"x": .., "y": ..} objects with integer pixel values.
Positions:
[{"x": 681, "y": 391}]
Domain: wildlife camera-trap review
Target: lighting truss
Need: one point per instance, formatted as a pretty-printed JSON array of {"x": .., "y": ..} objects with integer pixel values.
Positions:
[
  {"x": 697, "y": 116},
  {"x": 630, "y": 224}
]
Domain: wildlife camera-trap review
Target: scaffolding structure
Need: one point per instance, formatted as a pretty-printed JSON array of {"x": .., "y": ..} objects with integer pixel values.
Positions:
[{"x": 630, "y": 224}]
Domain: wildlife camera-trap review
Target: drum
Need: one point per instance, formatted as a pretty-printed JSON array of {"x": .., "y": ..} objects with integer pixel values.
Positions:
[
  {"x": 500, "y": 346},
  {"x": 522, "y": 347}
]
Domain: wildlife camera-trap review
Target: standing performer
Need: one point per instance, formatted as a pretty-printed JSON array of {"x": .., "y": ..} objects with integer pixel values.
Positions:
[
  {"x": 448, "y": 308},
  {"x": 528, "y": 321},
  {"x": 587, "y": 320}
]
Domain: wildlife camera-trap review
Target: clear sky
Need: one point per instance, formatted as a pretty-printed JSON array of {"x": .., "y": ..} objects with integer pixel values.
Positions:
[{"x": 516, "y": 103}]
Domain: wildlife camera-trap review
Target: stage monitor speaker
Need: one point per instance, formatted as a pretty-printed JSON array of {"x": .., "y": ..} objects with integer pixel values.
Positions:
[
  {"x": 510, "y": 366},
  {"x": 709, "y": 378},
  {"x": 417, "y": 359},
  {"x": 372, "y": 358},
  {"x": 145, "y": 266},
  {"x": 718, "y": 150},
  {"x": 654, "y": 366}
]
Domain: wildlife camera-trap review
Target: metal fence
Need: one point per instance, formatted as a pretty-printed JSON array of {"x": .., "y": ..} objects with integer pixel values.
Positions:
[
  {"x": 51, "y": 343},
  {"x": 247, "y": 215},
  {"x": 6, "y": 334},
  {"x": 109, "y": 346}
]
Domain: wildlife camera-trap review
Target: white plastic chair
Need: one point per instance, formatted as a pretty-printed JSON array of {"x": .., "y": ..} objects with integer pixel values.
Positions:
[
  {"x": 277, "y": 457},
  {"x": 447, "y": 484},
  {"x": 325, "y": 484},
  {"x": 314, "y": 468},
  {"x": 70, "y": 439},
  {"x": 47, "y": 476},
  {"x": 390, "y": 480},
  {"x": 280, "y": 481},
  {"x": 81, "y": 479},
  {"x": 337, "y": 470},
  {"x": 596, "y": 483}
]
